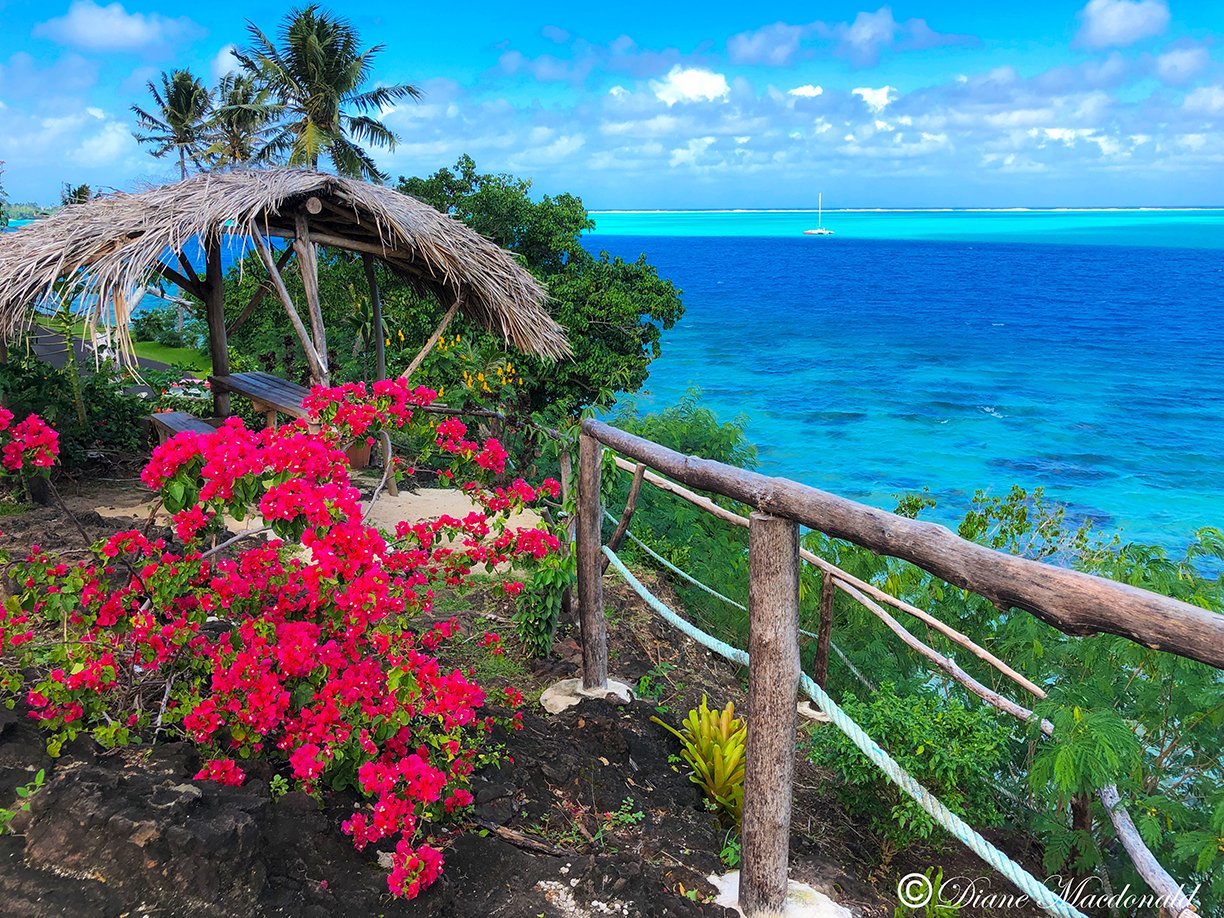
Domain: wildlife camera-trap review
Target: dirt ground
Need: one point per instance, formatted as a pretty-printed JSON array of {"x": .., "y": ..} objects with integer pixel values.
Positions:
[{"x": 129, "y": 832}]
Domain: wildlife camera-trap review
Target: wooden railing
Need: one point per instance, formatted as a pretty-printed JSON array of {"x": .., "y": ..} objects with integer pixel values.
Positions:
[{"x": 1075, "y": 603}]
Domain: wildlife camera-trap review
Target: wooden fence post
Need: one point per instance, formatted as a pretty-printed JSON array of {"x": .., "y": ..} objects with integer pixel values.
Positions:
[
  {"x": 214, "y": 311},
  {"x": 824, "y": 633},
  {"x": 590, "y": 566},
  {"x": 773, "y": 686}
]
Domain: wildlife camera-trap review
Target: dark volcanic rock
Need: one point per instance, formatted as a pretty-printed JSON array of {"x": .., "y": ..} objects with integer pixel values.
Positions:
[{"x": 132, "y": 833}]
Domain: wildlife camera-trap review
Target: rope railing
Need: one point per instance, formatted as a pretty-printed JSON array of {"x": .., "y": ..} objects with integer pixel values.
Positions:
[
  {"x": 948, "y": 820},
  {"x": 1062, "y": 598},
  {"x": 731, "y": 602},
  {"x": 1132, "y": 842}
]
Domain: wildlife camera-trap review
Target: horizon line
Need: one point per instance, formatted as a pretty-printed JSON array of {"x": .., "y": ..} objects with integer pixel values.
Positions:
[{"x": 899, "y": 210}]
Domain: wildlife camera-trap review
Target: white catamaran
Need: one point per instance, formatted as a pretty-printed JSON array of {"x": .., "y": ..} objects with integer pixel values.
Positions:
[{"x": 820, "y": 227}]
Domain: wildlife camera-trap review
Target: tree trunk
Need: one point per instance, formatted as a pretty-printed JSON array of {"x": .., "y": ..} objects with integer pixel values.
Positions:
[{"x": 1081, "y": 822}]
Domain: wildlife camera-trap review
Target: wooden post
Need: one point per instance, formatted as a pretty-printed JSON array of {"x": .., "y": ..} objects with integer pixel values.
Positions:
[
  {"x": 433, "y": 339},
  {"x": 214, "y": 310},
  {"x": 308, "y": 265},
  {"x": 824, "y": 633},
  {"x": 264, "y": 289},
  {"x": 773, "y": 686},
  {"x": 376, "y": 319},
  {"x": 622, "y": 525},
  {"x": 282, "y": 293},
  {"x": 590, "y": 566}
]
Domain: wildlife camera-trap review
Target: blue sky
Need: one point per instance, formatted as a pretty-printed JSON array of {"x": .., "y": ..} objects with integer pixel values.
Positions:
[{"x": 655, "y": 105}]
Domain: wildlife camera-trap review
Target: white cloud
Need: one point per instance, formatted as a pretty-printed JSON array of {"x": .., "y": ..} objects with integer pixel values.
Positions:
[
  {"x": 1181, "y": 65},
  {"x": 225, "y": 62},
  {"x": 1117, "y": 23},
  {"x": 1206, "y": 100},
  {"x": 618, "y": 92},
  {"x": 688, "y": 155},
  {"x": 877, "y": 99},
  {"x": 869, "y": 32},
  {"x": 690, "y": 84},
  {"x": 658, "y": 126},
  {"x": 538, "y": 153},
  {"x": 773, "y": 45},
  {"x": 112, "y": 28},
  {"x": 111, "y": 144},
  {"x": 807, "y": 91}
]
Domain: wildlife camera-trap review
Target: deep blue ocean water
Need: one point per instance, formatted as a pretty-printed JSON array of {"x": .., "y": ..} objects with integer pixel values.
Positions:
[{"x": 1079, "y": 352}]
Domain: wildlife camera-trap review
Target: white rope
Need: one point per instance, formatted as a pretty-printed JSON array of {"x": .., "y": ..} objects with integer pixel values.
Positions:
[{"x": 953, "y": 824}]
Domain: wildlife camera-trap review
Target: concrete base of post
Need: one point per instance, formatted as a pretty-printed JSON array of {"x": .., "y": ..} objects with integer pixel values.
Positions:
[
  {"x": 569, "y": 692},
  {"x": 802, "y": 901}
]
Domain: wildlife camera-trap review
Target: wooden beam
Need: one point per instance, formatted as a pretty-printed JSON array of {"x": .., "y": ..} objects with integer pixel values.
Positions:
[
  {"x": 1174, "y": 900},
  {"x": 824, "y": 632},
  {"x": 264, "y": 289},
  {"x": 195, "y": 289},
  {"x": 308, "y": 265},
  {"x": 622, "y": 525},
  {"x": 433, "y": 339},
  {"x": 282, "y": 293},
  {"x": 189, "y": 270},
  {"x": 773, "y": 688},
  {"x": 842, "y": 577},
  {"x": 590, "y": 568},
  {"x": 353, "y": 245},
  {"x": 376, "y": 319},
  {"x": 1070, "y": 601},
  {"x": 214, "y": 311}
]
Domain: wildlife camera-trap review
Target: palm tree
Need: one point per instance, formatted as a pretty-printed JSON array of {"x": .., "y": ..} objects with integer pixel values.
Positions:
[
  {"x": 242, "y": 122},
  {"x": 180, "y": 118},
  {"x": 317, "y": 73},
  {"x": 75, "y": 194}
]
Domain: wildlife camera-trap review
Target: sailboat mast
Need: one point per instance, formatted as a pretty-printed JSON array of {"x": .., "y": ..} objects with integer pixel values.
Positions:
[{"x": 819, "y": 209}]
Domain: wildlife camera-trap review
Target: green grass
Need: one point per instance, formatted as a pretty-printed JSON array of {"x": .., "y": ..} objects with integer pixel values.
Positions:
[
  {"x": 185, "y": 356},
  {"x": 151, "y": 350}
]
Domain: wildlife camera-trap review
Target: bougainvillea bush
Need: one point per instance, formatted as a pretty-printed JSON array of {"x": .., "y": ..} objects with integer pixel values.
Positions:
[{"x": 311, "y": 645}]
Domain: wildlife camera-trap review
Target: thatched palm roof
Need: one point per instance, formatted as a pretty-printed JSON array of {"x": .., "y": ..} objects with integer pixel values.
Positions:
[{"x": 111, "y": 247}]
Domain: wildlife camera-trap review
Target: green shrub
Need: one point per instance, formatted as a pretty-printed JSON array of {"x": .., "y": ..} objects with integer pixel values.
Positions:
[
  {"x": 953, "y": 751},
  {"x": 161, "y": 324},
  {"x": 539, "y": 605},
  {"x": 111, "y": 427}
]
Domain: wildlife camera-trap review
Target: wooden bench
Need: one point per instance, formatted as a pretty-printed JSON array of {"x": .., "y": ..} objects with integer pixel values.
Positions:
[
  {"x": 270, "y": 394},
  {"x": 169, "y": 423}
]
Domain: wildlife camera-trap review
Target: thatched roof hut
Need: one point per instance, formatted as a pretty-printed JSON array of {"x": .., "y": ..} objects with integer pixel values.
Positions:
[{"x": 109, "y": 249}]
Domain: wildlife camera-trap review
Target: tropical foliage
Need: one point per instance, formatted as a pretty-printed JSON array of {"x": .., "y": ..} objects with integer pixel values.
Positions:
[
  {"x": 75, "y": 194},
  {"x": 319, "y": 75},
  {"x": 713, "y": 744},
  {"x": 177, "y": 122},
  {"x": 241, "y": 124},
  {"x": 954, "y": 752},
  {"x": 614, "y": 311}
]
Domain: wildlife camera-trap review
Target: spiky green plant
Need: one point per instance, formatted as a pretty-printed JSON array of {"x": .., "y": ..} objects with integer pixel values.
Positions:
[{"x": 713, "y": 745}]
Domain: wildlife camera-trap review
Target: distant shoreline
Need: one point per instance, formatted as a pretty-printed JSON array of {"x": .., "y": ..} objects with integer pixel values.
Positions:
[{"x": 915, "y": 210}]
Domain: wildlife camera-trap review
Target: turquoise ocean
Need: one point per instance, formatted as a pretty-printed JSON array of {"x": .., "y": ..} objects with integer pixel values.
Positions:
[{"x": 1080, "y": 351}]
